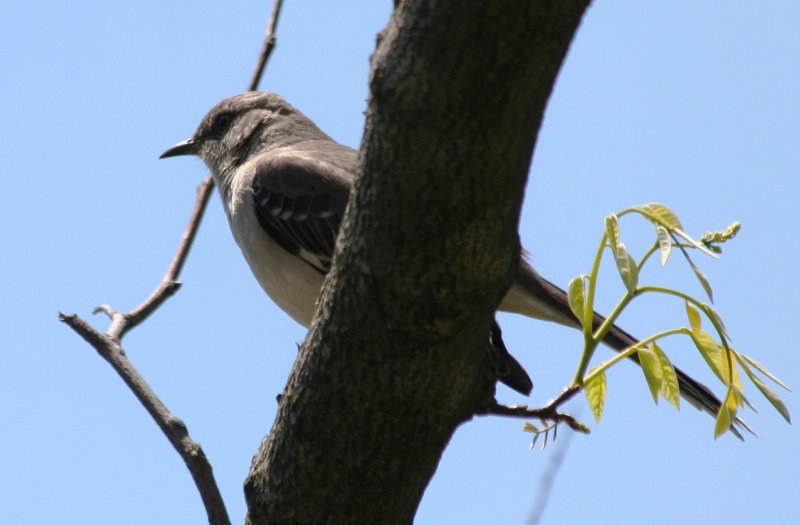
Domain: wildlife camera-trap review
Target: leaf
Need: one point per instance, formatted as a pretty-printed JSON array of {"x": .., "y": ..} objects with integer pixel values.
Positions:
[
  {"x": 729, "y": 365},
  {"x": 612, "y": 230},
  {"x": 694, "y": 316},
  {"x": 771, "y": 396},
  {"x": 702, "y": 278},
  {"x": 595, "y": 389},
  {"x": 664, "y": 242},
  {"x": 716, "y": 319},
  {"x": 651, "y": 367},
  {"x": 723, "y": 423},
  {"x": 661, "y": 215},
  {"x": 761, "y": 368},
  {"x": 726, "y": 414},
  {"x": 576, "y": 297},
  {"x": 627, "y": 268},
  {"x": 670, "y": 388},
  {"x": 711, "y": 352},
  {"x": 717, "y": 358}
]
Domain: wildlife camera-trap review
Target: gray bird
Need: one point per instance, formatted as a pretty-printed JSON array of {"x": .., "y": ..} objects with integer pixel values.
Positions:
[{"x": 284, "y": 185}]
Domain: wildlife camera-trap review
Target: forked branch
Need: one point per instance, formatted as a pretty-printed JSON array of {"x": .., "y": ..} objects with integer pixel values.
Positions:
[{"x": 108, "y": 344}]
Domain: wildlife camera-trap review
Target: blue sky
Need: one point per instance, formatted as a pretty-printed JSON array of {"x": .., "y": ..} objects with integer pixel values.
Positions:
[{"x": 693, "y": 104}]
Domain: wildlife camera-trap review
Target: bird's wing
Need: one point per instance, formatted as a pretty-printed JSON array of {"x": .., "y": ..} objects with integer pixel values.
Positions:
[
  {"x": 300, "y": 203},
  {"x": 553, "y": 300}
]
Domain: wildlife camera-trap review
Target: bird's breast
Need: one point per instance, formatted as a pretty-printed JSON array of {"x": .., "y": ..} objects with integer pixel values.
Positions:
[{"x": 292, "y": 283}]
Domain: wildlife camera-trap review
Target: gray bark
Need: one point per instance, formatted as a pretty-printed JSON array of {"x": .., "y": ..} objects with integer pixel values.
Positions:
[{"x": 396, "y": 358}]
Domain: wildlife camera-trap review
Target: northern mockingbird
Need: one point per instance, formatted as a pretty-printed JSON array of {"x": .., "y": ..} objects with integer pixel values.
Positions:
[{"x": 284, "y": 186}]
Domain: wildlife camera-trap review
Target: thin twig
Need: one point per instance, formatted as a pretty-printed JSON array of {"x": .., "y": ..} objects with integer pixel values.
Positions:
[
  {"x": 266, "y": 48},
  {"x": 549, "y": 412},
  {"x": 121, "y": 323},
  {"x": 108, "y": 344}
]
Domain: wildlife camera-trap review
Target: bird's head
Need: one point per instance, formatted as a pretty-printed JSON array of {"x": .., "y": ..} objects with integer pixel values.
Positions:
[{"x": 243, "y": 126}]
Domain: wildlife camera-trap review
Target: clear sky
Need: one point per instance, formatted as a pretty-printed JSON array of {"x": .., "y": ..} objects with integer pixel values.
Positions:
[{"x": 689, "y": 103}]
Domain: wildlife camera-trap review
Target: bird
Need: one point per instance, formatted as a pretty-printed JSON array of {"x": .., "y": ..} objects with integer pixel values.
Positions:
[{"x": 284, "y": 185}]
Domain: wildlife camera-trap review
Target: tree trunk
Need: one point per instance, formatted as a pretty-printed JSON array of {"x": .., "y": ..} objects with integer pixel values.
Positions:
[{"x": 397, "y": 357}]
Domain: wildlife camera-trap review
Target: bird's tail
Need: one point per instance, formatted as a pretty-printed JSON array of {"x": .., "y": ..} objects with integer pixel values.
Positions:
[{"x": 535, "y": 296}]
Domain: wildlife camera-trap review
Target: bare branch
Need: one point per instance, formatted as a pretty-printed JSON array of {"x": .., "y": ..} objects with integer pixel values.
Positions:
[
  {"x": 108, "y": 344},
  {"x": 267, "y": 47},
  {"x": 169, "y": 284},
  {"x": 548, "y": 412},
  {"x": 172, "y": 427}
]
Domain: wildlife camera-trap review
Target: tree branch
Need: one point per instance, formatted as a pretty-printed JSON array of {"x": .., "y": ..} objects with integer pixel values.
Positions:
[
  {"x": 172, "y": 427},
  {"x": 548, "y": 412},
  {"x": 108, "y": 344},
  {"x": 267, "y": 46},
  {"x": 121, "y": 323}
]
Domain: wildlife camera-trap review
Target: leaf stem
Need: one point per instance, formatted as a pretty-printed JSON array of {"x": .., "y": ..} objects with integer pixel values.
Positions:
[
  {"x": 650, "y": 252},
  {"x": 602, "y": 367}
]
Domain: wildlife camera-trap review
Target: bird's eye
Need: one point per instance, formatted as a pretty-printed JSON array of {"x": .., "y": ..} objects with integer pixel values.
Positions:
[{"x": 222, "y": 121}]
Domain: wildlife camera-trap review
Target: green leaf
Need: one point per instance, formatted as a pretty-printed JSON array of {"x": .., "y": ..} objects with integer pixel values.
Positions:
[
  {"x": 651, "y": 367},
  {"x": 716, "y": 319},
  {"x": 612, "y": 230},
  {"x": 670, "y": 388},
  {"x": 761, "y": 368},
  {"x": 726, "y": 414},
  {"x": 717, "y": 358},
  {"x": 729, "y": 365},
  {"x": 576, "y": 297},
  {"x": 664, "y": 243},
  {"x": 660, "y": 214},
  {"x": 627, "y": 268},
  {"x": 711, "y": 352},
  {"x": 702, "y": 278},
  {"x": 771, "y": 396},
  {"x": 660, "y": 374},
  {"x": 694, "y": 316},
  {"x": 595, "y": 389}
]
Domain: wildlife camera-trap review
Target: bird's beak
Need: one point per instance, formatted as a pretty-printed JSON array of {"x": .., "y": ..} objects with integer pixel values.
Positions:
[{"x": 187, "y": 147}]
